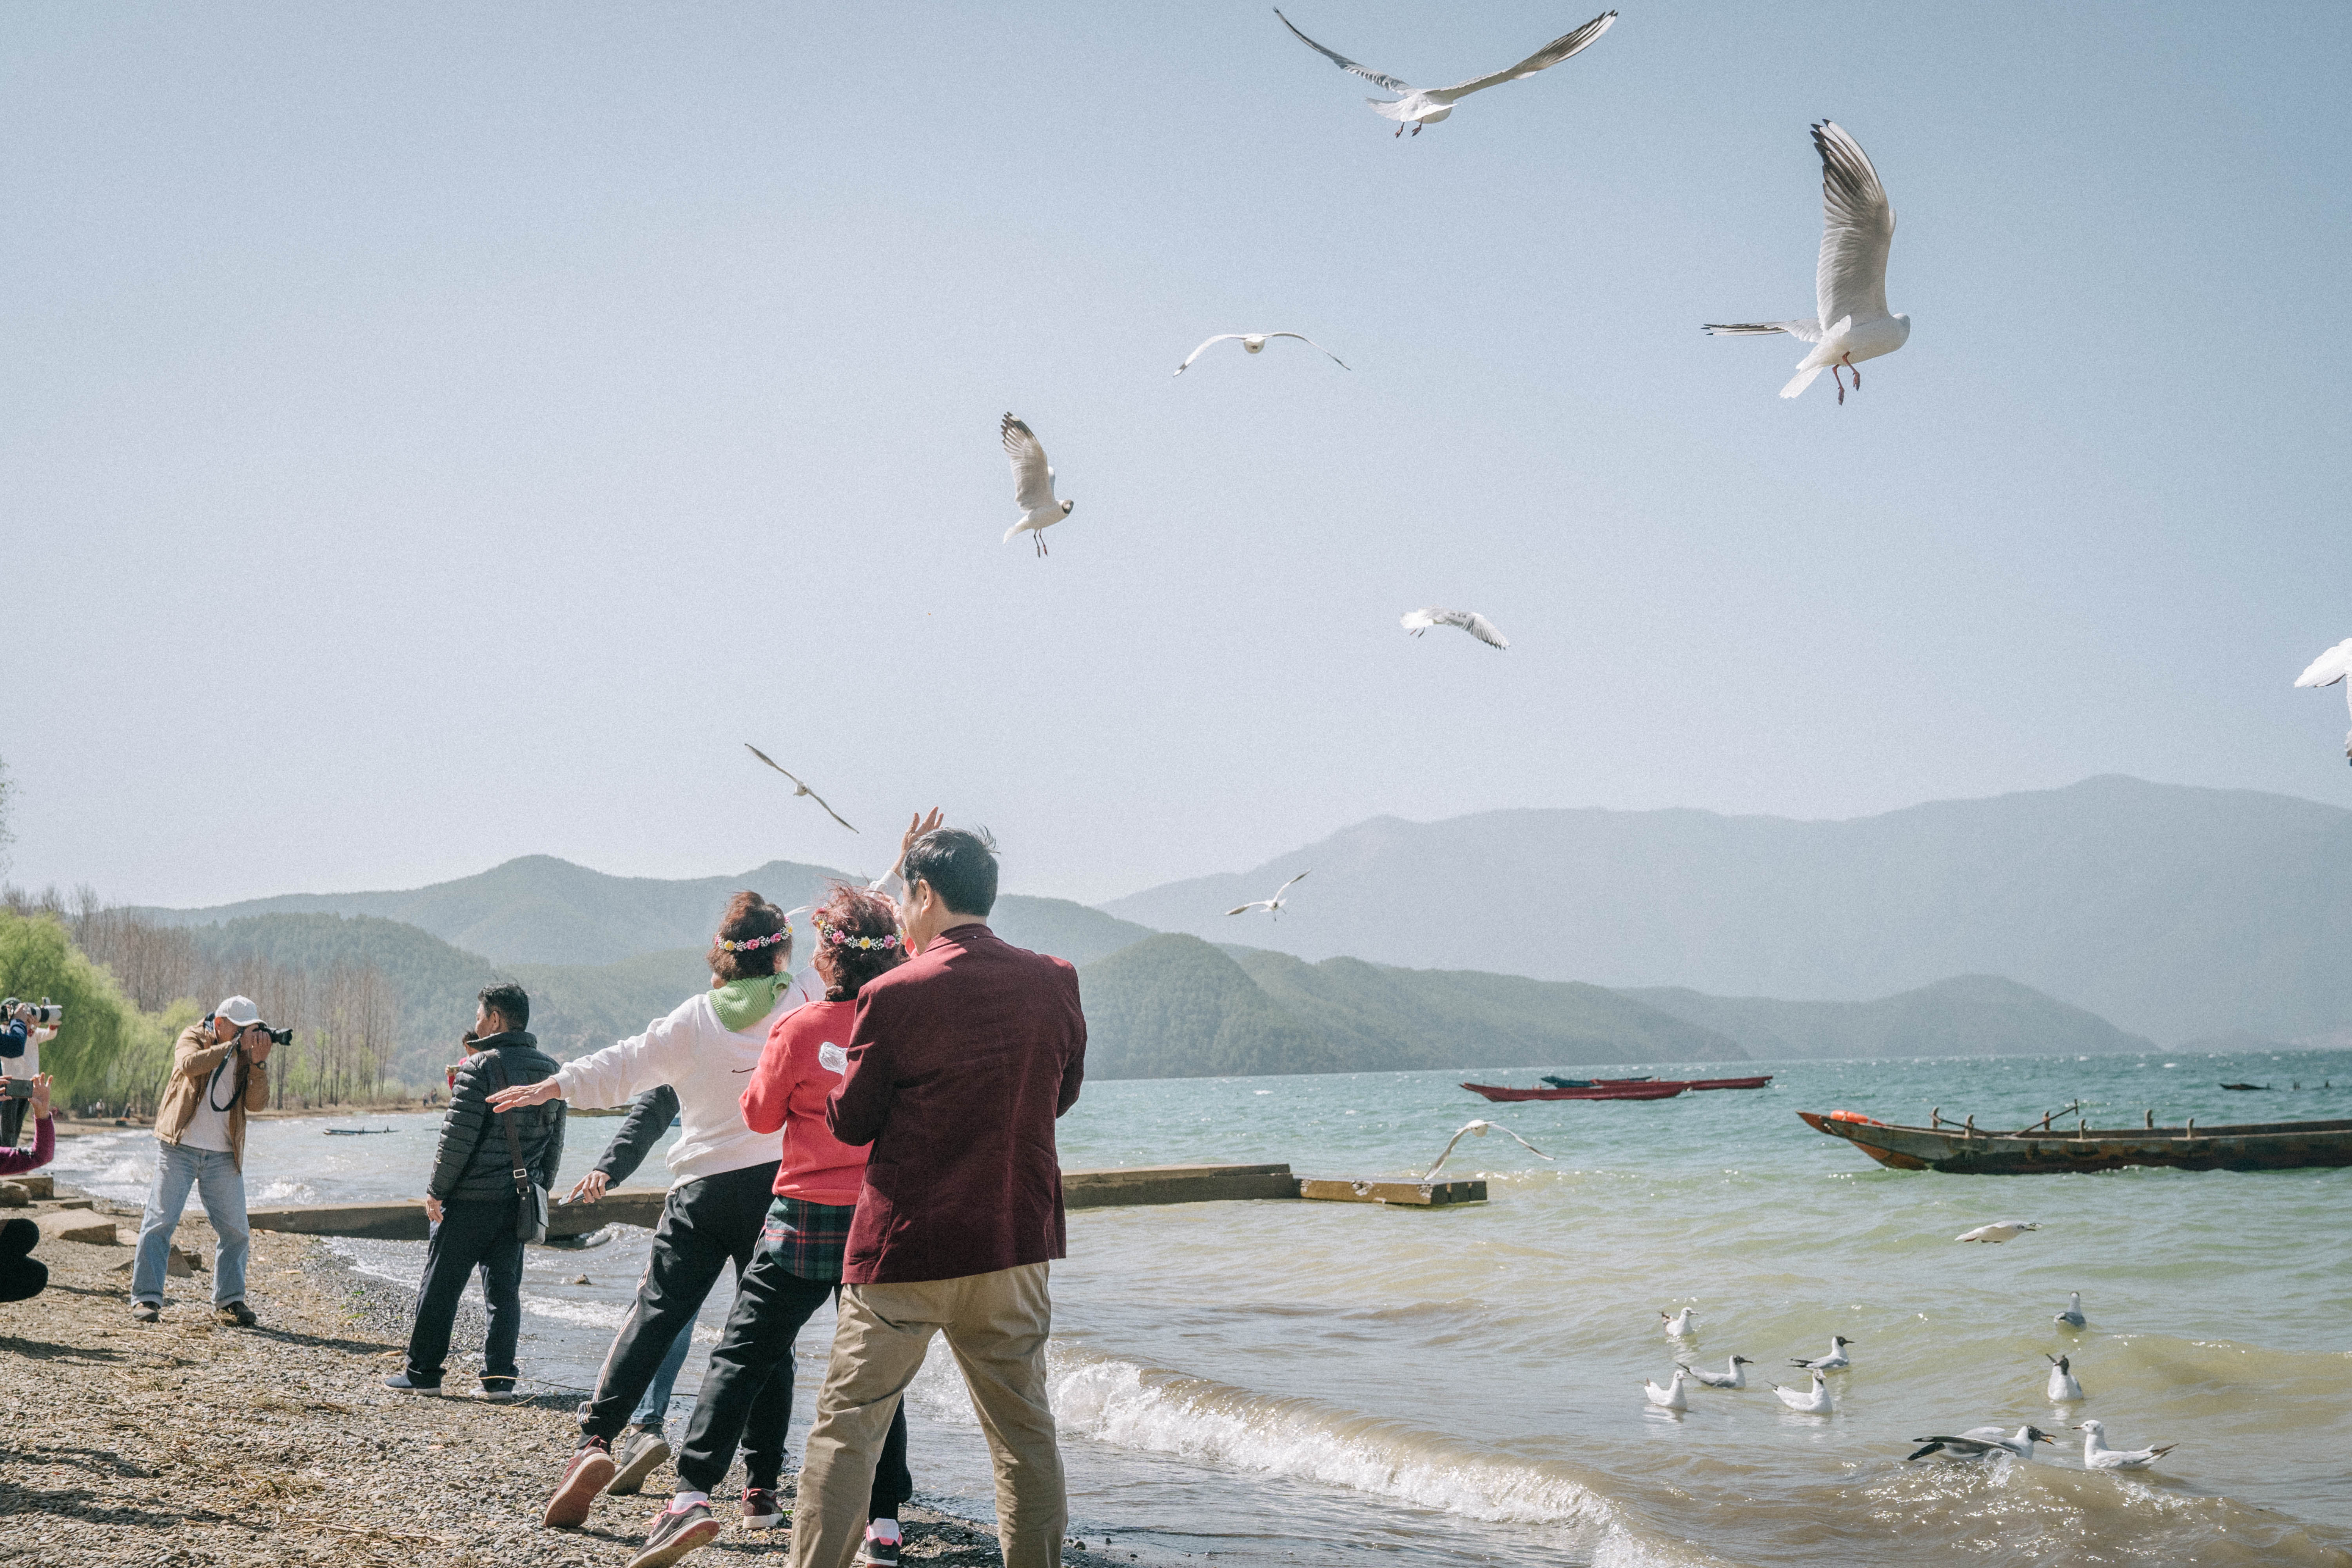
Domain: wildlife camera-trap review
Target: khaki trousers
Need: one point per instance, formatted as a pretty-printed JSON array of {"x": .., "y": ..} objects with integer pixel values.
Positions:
[{"x": 997, "y": 1325}]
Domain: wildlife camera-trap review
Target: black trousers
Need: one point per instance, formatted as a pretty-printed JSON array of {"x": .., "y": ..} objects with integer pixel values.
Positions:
[
  {"x": 12, "y": 1121},
  {"x": 705, "y": 1226},
  {"x": 751, "y": 1360},
  {"x": 22, "y": 1276},
  {"x": 473, "y": 1233}
]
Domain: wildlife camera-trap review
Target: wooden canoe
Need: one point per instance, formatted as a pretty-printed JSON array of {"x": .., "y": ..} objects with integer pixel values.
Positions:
[
  {"x": 1621, "y": 1091},
  {"x": 2250, "y": 1146},
  {"x": 1728, "y": 1082}
]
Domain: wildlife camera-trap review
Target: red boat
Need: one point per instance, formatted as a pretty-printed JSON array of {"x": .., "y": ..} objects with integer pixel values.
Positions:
[{"x": 1617, "y": 1091}]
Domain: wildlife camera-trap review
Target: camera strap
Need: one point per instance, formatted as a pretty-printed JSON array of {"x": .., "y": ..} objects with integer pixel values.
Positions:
[
  {"x": 514, "y": 1139},
  {"x": 530, "y": 1198}
]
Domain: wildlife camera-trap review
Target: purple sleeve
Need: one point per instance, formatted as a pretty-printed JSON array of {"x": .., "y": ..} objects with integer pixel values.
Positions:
[{"x": 14, "y": 1162}]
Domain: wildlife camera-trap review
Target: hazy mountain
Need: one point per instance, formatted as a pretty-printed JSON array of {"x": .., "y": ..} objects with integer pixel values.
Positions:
[
  {"x": 2174, "y": 912},
  {"x": 1175, "y": 1006},
  {"x": 541, "y": 910},
  {"x": 1969, "y": 1015}
]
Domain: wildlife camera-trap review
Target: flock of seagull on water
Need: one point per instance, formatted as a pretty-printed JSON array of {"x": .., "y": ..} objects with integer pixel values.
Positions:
[{"x": 2060, "y": 1387}]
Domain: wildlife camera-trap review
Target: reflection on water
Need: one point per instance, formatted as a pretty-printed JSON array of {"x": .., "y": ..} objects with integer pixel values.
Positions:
[{"x": 1305, "y": 1383}]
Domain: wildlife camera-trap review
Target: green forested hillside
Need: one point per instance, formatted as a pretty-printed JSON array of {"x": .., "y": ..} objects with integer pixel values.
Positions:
[{"x": 1175, "y": 1007}]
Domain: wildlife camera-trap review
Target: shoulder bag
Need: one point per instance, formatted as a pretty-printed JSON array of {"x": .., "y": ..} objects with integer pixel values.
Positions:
[{"x": 530, "y": 1198}]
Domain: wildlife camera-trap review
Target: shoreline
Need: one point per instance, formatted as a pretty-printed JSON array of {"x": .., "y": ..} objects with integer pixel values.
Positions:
[{"x": 195, "y": 1442}]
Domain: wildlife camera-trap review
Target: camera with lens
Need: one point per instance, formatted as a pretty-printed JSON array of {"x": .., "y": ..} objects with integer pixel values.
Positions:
[
  {"x": 277, "y": 1036},
  {"x": 45, "y": 1013}
]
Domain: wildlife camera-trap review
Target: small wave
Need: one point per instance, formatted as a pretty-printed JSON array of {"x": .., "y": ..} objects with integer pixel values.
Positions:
[
  {"x": 593, "y": 1314},
  {"x": 286, "y": 1193}
]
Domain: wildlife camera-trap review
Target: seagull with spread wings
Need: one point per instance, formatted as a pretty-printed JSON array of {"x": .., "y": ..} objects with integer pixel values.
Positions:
[
  {"x": 1471, "y": 621},
  {"x": 1032, "y": 484},
  {"x": 1254, "y": 342},
  {"x": 799, "y": 788},
  {"x": 1479, "y": 1130},
  {"x": 1850, "y": 280},
  {"x": 1427, "y": 106},
  {"x": 2328, "y": 670},
  {"x": 1272, "y": 906}
]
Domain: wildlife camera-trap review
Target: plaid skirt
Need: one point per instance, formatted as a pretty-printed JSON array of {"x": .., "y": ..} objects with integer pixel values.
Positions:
[{"x": 809, "y": 1238}]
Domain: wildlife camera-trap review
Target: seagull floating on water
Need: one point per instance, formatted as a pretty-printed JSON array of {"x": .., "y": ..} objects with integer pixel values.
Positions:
[
  {"x": 1982, "y": 1443},
  {"x": 2064, "y": 1387},
  {"x": 1836, "y": 1361},
  {"x": 1032, "y": 484},
  {"x": 1849, "y": 280},
  {"x": 2073, "y": 1316},
  {"x": 2097, "y": 1456},
  {"x": 1999, "y": 1230},
  {"x": 1679, "y": 1325},
  {"x": 799, "y": 788},
  {"x": 2328, "y": 670},
  {"x": 1815, "y": 1401},
  {"x": 1733, "y": 1377},
  {"x": 1254, "y": 342},
  {"x": 1273, "y": 906},
  {"x": 1670, "y": 1397},
  {"x": 1427, "y": 106},
  {"x": 1478, "y": 1129},
  {"x": 1471, "y": 621}
]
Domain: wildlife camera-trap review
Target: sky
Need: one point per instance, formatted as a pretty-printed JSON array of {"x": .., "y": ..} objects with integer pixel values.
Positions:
[{"x": 435, "y": 435}]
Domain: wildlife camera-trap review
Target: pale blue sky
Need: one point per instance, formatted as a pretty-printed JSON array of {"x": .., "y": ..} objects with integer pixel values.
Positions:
[{"x": 494, "y": 415}]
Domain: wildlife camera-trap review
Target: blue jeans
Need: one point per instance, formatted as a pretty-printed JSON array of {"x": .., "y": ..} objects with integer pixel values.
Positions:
[
  {"x": 653, "y": 1410},
  {"x": 213, "y": 1174}
]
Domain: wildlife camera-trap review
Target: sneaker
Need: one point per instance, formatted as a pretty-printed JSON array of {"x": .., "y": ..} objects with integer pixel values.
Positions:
[
  {"x": 643, "y": 1451},
  {"x": 500, "y": 1390},
  {"x": 235, "y": 1312},
  {"x": 590, "y": 1472},
  {"x": 882, "y": 1542},
  {"x": 673, "y": 1534},
  {"x": 146, "y": 1311},
  {"x": 762, "y": 1509},
  {"x": 407, "y": 1385}
]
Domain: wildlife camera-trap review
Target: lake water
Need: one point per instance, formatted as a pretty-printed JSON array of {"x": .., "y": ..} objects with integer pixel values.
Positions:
[{"x": 1333, "y": 1384}]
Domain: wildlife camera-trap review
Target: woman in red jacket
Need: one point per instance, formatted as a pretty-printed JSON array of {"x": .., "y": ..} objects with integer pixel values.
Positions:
[{"x": 798, "y": 1265}]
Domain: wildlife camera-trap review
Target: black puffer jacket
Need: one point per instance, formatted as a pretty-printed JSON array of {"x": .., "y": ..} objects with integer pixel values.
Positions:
[{"x": 472, "y": 1164}]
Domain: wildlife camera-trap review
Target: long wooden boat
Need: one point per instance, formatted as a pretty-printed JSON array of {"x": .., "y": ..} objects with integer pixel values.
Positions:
[
  {"x": 1698, "y": 1083},
  {"x": 2250, "y": 1146},
  {"x": 1621, "y": 1091}
]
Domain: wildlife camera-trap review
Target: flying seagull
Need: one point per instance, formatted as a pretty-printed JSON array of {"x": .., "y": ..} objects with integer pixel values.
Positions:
[
  {"x": 1427, "y": 106},
  {"x": 1479, "y": 1129},
  {"x": 2073, "y": 1316},
  {"x": 1032, "y": 485},
  {"x": 1813, "y": 1402},
  {"x": 2064, "y": 1387},
  {"x": 1272, "y": 906},
  {"x": 798, "y": 788},
  {"x": 1471, "y": 621},
  {"x": 1670, "y": 1397},
  {"x": 1256, "y": 343},
  {"x": 1836, "y": 1361},
  {"x": 1999, "y": 1230},
  {"x": 1735, "y": 1374},
  {"x": 1982, "y": 1443},
  {"x": 2328, "y": 670},
  {"x": 2097, "y": 1456},
  {"x": 1850, "y": 281},
  {"x": 1678, "y": 1324}
]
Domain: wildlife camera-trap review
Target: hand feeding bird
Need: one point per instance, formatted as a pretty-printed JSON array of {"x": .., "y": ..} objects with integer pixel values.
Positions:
[
  {"x": 799, "y": 788},
  {"x": 2072, "y": 1318},
  {"x": 1471, "y": 621},
  {"x": 1983, "y": 1443},
  {"x": 1836, "y": 1361},
  {"x": 2328, "y": 670},
  {"x": 1670, "y": 1397},
  {"x": 1032, "y": 484},
  {"x": 1679, "y": 1325},
  {"x": 1478, "y": 1129},
  {"x": 1254, "y": 342},
  {"x": 1735, "y": 1374},
  {"x": 1850, "y": 278},
  {"x": 1813, "y": 1402},
  {"x": 2097, "y": 1456},
  {"x": 2064, "y": 1387},
  {"x": 1998, "y": 1231},
  {"x": 1273, "y": 906},
  {"x": 1427, "y": 106}
]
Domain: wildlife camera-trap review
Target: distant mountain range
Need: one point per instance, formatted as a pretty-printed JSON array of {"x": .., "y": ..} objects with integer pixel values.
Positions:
[{"x": 2176, "y": 913}]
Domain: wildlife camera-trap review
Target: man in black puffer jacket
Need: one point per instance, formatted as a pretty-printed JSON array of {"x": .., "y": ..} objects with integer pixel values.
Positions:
[{"x": 471, "y": 1198}]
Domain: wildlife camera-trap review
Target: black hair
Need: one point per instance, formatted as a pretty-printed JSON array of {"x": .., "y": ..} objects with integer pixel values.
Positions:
[
  {"x": 959, "y": 865},
  {"x": 510, "y": 1001}
]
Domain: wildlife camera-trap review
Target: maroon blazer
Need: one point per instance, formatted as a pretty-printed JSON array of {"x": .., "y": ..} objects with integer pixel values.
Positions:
[{"x": 958, "y": 1062}]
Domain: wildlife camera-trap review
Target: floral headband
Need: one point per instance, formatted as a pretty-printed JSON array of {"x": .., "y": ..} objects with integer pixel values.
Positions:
[
  {"x": 754, "y": 944},
  {"x": 834, "y": 936}
]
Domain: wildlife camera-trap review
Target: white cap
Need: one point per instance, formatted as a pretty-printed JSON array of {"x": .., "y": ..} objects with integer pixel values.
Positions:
[{"x": 239, "y": 1010}]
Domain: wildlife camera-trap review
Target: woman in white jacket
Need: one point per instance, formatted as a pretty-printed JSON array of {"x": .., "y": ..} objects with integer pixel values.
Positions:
[{"x": 719, "y": 1197}]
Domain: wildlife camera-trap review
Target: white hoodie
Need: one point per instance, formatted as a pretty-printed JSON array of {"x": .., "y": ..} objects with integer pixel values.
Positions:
[{"x": 707, "y": 1064}]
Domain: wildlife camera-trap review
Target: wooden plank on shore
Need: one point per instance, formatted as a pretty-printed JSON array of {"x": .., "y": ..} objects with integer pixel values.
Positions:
[
  {"x": 1411, "y": 1194},
  {"x": 1132, "y": 1184}
]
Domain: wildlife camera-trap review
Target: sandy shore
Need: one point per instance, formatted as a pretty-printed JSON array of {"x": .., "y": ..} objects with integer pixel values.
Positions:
[{"x": 190, "y": 1442}]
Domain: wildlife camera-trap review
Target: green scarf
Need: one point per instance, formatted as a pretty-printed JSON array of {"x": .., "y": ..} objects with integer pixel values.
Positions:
[{"x": 743, "y": 1003}]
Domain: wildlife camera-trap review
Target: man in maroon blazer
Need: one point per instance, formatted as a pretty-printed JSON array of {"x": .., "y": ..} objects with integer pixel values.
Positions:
[{"x": 960, "y": 1059}]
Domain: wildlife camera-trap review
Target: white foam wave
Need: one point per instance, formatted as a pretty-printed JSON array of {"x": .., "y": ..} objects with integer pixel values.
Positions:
[
  {"x": 286, "y": 1193},
  {"x": 593, "y": 1314}
]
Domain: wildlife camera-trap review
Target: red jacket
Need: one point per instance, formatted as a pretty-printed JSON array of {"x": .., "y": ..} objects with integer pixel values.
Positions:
[
  {"x": 802, "y": 1064},
  {"x": 961, "y": 1060},
  {"x": 14, "y": 1162}
]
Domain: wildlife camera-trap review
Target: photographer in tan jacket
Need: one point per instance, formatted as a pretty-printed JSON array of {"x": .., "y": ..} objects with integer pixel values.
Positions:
[{"x": 219, "y": 1066}]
